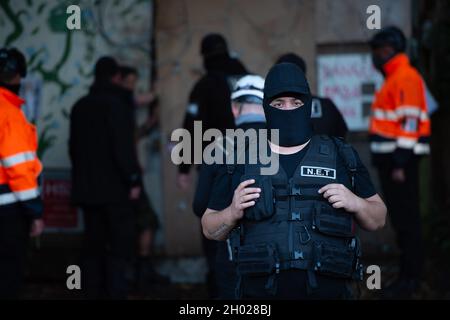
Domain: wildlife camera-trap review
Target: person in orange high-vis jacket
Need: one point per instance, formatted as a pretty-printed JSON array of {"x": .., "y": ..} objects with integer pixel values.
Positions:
[
  {"x": 400, "y": 131},
  {"x": 20, "y": 202}
]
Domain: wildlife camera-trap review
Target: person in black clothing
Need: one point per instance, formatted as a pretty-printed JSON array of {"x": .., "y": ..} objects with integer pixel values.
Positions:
[
  {"x": 105, "y": 181},
  {"x": 325, "y": 116},
  {"x": 291, "y": 234},
  {"x": 209, "y": 102},
  {"x": 248, "y": 113}
]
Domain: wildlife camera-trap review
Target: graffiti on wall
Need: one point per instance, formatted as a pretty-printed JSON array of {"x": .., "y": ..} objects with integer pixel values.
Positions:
[{"x": 60, "y": 61}]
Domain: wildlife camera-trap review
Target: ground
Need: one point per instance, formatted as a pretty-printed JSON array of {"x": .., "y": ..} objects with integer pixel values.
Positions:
[{"x": 46, "y": 278}]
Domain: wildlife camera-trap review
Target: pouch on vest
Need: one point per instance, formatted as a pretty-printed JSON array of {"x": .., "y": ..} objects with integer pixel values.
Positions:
[
  {"x": 263, "y": 208},
  {"x": 333, "y": 222},
  {"x": 337, "y": 261},
  {"x": 258, "y": 259}
]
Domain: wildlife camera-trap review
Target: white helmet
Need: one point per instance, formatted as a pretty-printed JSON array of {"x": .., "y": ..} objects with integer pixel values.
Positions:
[{"x": 249, "y": 89}]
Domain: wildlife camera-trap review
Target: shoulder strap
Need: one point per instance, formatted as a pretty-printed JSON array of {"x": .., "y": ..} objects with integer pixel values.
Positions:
[
  {"x": 348, "y": 155},
  {"x": 232, "y": 166}
]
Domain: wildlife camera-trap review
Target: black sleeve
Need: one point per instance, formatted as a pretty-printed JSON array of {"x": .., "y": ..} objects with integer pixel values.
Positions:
[
  {"x": 222, "y": 192},
  {"x": 192, "y": 114},
  {"x": 207, "y": 173},
  {"x": 121, "y": 126},
  {"x": 364, "y": 187},
  {"x": 34, "y": 207}
]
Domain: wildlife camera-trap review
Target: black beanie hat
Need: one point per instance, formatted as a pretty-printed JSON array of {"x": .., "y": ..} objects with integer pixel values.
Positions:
[
  {"x": 293, "y": 58},
  {"x": 285, "y": 78},
  {"x": 12, "y": 61},
  {"x": 212, "y": 44}
]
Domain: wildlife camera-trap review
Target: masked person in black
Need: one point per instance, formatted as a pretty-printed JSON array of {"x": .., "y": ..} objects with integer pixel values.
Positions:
[
  {"x": 209, "y": 102},
  {"x": 246, "y": 105},
  {"x": 325, "y": 116},
  {"x": 292, "y": 233}
]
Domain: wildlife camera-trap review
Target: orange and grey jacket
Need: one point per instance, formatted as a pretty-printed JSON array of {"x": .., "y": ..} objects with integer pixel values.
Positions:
[
  {"x": 399, "y": 123},
  {"x": 19, "y": 165}
]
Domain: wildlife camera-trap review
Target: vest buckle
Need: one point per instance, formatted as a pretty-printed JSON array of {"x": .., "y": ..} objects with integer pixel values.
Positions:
[
  {"x": 305, "y": 232},
  {"x": 298, "y": 255},
  {"x": 294, "y": 190},
  {"x": 296, "y": 216}
]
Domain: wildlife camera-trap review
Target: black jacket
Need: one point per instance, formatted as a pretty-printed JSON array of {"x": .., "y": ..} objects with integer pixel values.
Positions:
[
  {"x": 207, "y": 175},
  {"x": 327, "y": 119},
  {"x": 209, "y": 100},
  {"x": 102, "y": 148}
]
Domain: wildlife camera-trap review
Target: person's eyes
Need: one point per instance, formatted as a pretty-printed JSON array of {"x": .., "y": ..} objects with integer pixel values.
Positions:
[
  {"x": 276, "y": 104},
  {"x": 298, "y": 103}
]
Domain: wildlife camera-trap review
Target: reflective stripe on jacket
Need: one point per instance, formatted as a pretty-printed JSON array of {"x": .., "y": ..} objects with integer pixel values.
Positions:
[
  {"x": 399, "y": 117},
  {"x": 19, "y": 165}
]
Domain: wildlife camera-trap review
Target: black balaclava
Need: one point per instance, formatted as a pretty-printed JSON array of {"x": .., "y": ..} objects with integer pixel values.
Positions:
[
  {"x": 214, "y": 50},
  {"x": 12, "y": 62},
  {"x": 14, "y": 88},
  {"x": 389, "y": 36},
  {"x": 288, "y": 80},
  {"x": 379, "y": 62}
]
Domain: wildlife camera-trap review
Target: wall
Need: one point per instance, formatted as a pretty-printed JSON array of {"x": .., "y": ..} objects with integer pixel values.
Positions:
[
  {"x": 258, "y": 31},
  {"x": 61, "y": 61},
  {"x": 60, "y": 65}
]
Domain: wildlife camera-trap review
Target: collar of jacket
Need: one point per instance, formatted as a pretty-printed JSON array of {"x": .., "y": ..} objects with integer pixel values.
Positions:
[
  {"x": 250, "y": 118},
  {"x": 11, "y": 97},
  {"x": 395, "y": 63}
]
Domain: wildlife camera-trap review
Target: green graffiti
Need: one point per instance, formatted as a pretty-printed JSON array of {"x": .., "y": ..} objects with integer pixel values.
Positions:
[
  {"x": 46, "y": 140},
  {"x": 15, "y": 19},
  {"x": 35, "y": 31},
  {"x": 53, "y": 74},
  {"x": 41, "y": 8},
  {"x": 57, "y": 19}
]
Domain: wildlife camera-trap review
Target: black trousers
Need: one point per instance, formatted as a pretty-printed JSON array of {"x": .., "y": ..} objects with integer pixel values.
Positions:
[
  {"x": 210, "y": 250},
  {"x": 14, "y": 238},
  {"x": 402, "y": 200},
  {"x": 226, "y": 276},
  {"x": 108, "y": 249}
]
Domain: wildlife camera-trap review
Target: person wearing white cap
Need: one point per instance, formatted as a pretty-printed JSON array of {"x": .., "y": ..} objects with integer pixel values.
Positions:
[{"x": 246, "y": 103}]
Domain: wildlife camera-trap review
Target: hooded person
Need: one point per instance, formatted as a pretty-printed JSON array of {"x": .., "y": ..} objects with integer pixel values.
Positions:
[
  {"x": 294, "y": 124},
  {"x": 21, "y": 206},
  {"x": 400, "y": 131},
  {"x": 325, "y": 116},
  {"x": 12, "y": 63},
  {"x": 291, "y": 234},
  {"x": 209, "y": 99}
]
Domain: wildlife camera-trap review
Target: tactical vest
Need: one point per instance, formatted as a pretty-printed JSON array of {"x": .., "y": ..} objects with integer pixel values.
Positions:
[{"x": 292, "y": 226}]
